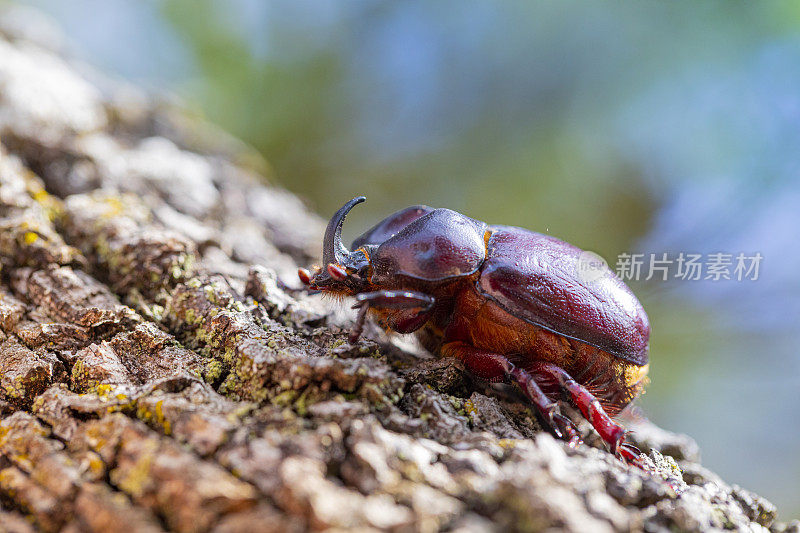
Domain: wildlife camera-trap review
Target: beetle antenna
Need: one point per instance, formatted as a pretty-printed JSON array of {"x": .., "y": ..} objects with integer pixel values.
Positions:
[{"x": 333, "y": 249}]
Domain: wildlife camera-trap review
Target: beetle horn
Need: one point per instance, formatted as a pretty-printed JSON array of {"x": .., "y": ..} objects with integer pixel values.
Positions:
[{"x": 333, "y": 249}]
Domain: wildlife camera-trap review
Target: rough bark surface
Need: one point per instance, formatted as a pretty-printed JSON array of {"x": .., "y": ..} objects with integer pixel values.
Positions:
[{"x": 158, "y": 371}]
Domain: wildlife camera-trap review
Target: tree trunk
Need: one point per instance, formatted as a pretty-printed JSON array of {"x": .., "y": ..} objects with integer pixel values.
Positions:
[{"x": 160, "y": 373}]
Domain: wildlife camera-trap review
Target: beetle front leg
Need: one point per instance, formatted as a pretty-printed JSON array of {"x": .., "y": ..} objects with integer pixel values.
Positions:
[
  {"x": 611, "y": 432},
  {"x": 495, "y": 367},
  {"x": 409, "y": 310}
]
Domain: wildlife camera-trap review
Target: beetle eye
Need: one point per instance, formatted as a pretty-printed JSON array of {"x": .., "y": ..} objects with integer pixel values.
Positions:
[{"x": 336, "y": 272}]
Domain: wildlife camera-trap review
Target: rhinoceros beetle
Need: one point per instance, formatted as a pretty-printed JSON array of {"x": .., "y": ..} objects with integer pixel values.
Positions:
[{"x": 511, "y": 304}]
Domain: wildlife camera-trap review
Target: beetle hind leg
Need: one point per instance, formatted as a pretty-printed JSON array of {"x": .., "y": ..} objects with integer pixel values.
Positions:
[
  {"x": 611, "y": 432},
  {"x": 495, "y": 367}
]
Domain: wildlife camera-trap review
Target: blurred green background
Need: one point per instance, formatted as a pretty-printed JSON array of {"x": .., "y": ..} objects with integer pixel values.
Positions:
[{"x": 620, "y": 127}]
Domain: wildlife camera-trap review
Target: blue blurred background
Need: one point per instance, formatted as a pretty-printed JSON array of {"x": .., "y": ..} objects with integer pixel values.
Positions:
[{"x": 620, "y": 127}]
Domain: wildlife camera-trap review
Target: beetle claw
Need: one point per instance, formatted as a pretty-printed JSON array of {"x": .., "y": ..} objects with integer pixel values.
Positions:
[
  {"x": 565, "y": 429},
  {"x": 629, "y": 454},
  {"x": 561, "y": 426}
]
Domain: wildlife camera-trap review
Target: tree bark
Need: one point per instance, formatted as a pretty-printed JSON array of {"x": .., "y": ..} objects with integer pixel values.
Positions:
[{"x": 159, "y": 371}]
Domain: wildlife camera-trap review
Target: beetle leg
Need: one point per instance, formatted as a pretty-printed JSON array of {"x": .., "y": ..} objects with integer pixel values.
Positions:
[
  {"x": 495, "y": 367},
  {"x": 387, "y": 299},
  {"x": 409, "y": 310},
  {"x": 358, "y": 327},
  {"x": 611, "y": 432}
]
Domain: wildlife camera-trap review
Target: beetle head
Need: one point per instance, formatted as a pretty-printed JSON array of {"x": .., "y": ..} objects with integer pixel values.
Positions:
[{"x": 344, "y": 271}]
